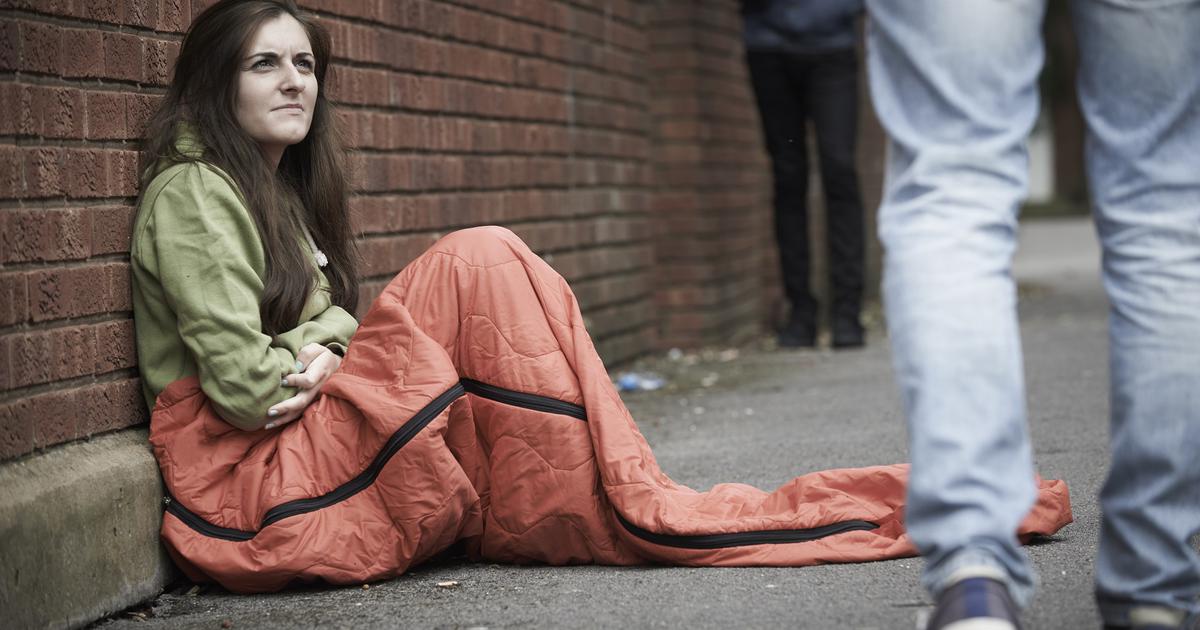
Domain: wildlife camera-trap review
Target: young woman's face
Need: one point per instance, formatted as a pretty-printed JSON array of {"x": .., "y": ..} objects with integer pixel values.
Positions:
[{"x": 277, "y": 86}]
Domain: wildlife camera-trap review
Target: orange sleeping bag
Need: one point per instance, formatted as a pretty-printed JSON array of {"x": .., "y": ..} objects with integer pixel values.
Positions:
[{"x": 471, "y": 406}]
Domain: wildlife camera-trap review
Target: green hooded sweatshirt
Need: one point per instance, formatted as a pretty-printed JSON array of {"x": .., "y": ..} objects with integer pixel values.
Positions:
[{"x": 198, "y": 271}]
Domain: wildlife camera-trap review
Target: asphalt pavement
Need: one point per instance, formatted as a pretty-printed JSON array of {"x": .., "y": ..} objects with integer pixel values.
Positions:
[{"x": 760, "y": 415}]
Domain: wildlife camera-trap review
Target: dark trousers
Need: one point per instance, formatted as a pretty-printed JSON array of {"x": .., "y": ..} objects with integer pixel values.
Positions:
[{"x": 792, "y": 90}]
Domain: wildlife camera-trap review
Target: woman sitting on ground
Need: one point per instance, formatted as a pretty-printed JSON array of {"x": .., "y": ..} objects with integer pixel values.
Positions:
[{"x": 468, "y": 406}]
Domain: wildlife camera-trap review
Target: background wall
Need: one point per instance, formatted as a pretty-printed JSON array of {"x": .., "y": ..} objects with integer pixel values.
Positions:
[
  {"x": 533, "y": 114},
  {"x": 618, "y": 137},
  {"x": 712, "y": 220}
]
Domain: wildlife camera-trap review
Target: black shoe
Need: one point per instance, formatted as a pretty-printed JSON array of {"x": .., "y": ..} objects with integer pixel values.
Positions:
[
  {"x": 798, "y": 334},
  {"x": 848, "y": 333}
]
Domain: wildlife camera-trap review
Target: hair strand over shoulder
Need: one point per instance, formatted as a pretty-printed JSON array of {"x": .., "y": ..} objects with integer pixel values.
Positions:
[{"x": 308, "y": 190}]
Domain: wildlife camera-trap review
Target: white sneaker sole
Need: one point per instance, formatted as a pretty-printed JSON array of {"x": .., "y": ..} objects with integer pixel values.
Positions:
[
  {"x": 966, "y": 624},
  {"x": 981, "y": 623}
]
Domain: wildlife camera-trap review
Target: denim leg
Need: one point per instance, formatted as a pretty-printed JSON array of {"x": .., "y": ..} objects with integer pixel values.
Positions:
[
  {"x": 1139, "y": 90},
  {"x": 954, "y": 84}
]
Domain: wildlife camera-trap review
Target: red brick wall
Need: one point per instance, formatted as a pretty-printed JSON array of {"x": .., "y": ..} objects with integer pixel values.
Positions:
[
  {"x": 712, "y": 180},
  {"x": 528, "y": 114},
  {"x": 617, "y": 137},
  {"x": 77, "y": 80}
]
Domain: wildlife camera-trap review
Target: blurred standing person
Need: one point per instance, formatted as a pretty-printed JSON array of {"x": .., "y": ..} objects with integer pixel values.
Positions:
[
  {"x": 955, "y": 85},
  {"x": 804, "y": 66}
]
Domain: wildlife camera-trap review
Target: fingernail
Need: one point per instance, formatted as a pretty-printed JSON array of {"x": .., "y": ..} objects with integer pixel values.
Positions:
[
  {"x": 270, "y": 425},
  {"x": 283, "y": 382},
  {"x": 299, "y": 366},
  {"x": 273, "y": 412}
]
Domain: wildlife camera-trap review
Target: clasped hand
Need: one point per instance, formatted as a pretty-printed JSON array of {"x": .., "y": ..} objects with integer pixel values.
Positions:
[{"x": 314, "y": 365}]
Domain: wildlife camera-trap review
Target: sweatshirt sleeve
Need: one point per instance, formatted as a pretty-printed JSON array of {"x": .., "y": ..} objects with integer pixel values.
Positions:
[
  {"x": 331, "y": 328},
  {"x": 210, "y": 263}
]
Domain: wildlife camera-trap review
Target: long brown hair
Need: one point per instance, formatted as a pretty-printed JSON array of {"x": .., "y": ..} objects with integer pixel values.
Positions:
[{"x": 309, "y": 188}]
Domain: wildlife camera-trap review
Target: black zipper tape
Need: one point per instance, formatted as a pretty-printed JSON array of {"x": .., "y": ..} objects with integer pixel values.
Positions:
[
  {"x": 709, "y": 541},
  {"x": 402, "y": 436},
  {"x": 743, "y": 539},
  {"x": 521, "y": 399},
  {"x": 518, "y": 399},
  {"x": 204, "y": 527}
]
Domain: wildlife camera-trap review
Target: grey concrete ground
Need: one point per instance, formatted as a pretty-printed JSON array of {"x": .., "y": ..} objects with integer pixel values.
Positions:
[{"x": 762, "y": 416}]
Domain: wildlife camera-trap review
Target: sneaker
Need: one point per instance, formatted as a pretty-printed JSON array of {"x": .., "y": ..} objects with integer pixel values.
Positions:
[
  {"x": 848, "y": 333},
  {"x": 976, "y": 603},
  {"x": 1152, "y": 618},
  {"x": 798, "y": 334}
]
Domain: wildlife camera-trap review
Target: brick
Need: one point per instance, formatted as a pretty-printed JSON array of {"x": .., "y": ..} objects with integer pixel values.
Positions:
[
  {"x": 43, "y": 172},
  {"x": 350, "y": 8},
  {"x": 367, "y": 293},
  {"x": 53, "y": 355},
  {"x": 123, "y": 173},
  {"x": 111, "y": 11},
  {"x": 53, "y": 416},
  {"x": 41, "y": 50},
  {"x": 142, "y": 13},
  {"x": 106, "y": 117},
  {"x": 69, "y": 235},
  {"x": 52, "y": 7},
  {"x": 388, "y": 255},
  {"x": 10, "y": 45},
  {"x": 138, "y": 110},
  {"x": 198, "y": 6},
  {"x": 366, "y": 87},
  {"x": 120, "y": 293},
  {"x": 46, "y": 235},
  {"x": 14, "y": 298},
  {"x": 620, "y": 318},
  {"x": 111, "y": 229},
  {"x": 89, "y": 173},
  {"x": 63, "y": 112},
  {"x": 29, "y": 121},
  {"x": 13, "y": 101},
  {"x": 101, "y": 173},
  {"x": 5, "y": 364},
  {"x": 58, "y": 293},
  {"x": 12, "y": 181},
  {"x": 160, "y": 61},
  {"x": 124, "y": 57},
  {"x": 50, "y": 112},
  {"x": 16, "y": 432},
  {"x": 115, "y": 347},
  {"x": 112, "y": 405},
  {"x": 624, "y": 347},
  {"x": 57, "y": 417},
  {"x": 83, "y": 55},
  {"x": 174, "y": 16}
]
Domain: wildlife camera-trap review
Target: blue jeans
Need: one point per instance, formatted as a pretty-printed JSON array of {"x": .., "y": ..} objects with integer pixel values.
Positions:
[{"x": 954, "y": 83}]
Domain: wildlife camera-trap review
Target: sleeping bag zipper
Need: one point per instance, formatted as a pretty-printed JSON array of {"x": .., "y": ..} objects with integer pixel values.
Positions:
[
  {"x": 526, "y": 401},
  {"x": 699, "y": 541},
  {"x": 203, "y": 526},
  {"x": 523, "y": 400},
  {"x": 742, "y": 539},
  {"x": 364, "y": 479}
]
